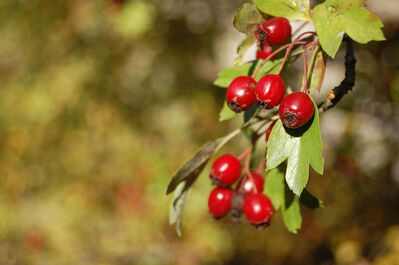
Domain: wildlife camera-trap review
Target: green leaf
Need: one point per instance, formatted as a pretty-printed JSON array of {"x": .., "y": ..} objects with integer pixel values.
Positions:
[
  {"x": 333, "y": 18},
  {"x": 362, "y": 26},
  {"x": 226, "y": 76},
  {"x": 318, "y": 71},
  {"x": 226, "y": 113},
  {"x": 281, "y": 196},
  {"x": 309, "y": 200},
  {"x": 291, "y": 212},
  {"x": 299, "y": 151},
  {"x": 247, "y": 16},
  {"x": 246, "y": 21},
  {"x": 274, "y": 187},
  {"x": 290, "y": 9},
  {"x": 329, "y": 29},
  {"x": 192, "y": 168},
  {"x": 243, "y": 46},
  {"x": 177, "y": 206}
]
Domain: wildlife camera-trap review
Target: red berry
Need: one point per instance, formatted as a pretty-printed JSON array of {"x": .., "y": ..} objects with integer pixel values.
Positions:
[
  {"x": 219, "y": 202},
  {"x": 246, "y": 184},
  {"x": 270, "y": 91},
  {"x": 296, "y": 110},
  {"x": 241, "y": 93},
  {"x": 264, "y": 51},
  {"x": 225, "y": 170},
  {"x": 269, "y": 130},
  {"x": 278, "y": 30},
  {"x": 258, "y": 209}
]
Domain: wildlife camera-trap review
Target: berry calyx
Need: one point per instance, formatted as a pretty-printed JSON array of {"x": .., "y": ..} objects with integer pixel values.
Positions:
[
  {"x": 264, "y": 51},
  {"x": 219, "y": 202},
  {"x": 241, "y": 93},
  {"x": 247, "y": 184},
  {"x": 225, "y": 170},
  {"x": 278, "y": 30},
  {"x": 258, "y": 209},
  {"x": 269, "y": 130},
  {"x": 270, "y": 91},
  {"x": 296, "y": 110}
]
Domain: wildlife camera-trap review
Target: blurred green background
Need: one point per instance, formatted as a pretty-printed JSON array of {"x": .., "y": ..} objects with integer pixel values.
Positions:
[{"x": 102, "y": 101}]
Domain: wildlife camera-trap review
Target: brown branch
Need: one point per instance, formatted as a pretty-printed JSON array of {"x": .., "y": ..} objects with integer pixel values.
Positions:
[{"x": 349, "y": 81}]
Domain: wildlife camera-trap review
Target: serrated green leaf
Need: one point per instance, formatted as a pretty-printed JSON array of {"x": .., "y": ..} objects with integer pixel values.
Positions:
[
  {"x": 274, "y": 187},
  {"x": 291, "y": 212},
  {"x": 291, "y": 9},
  {"x": 333, "y": 18},
  {"x": 226, "y": 113},
  {"x": 299, "y": 151},
  {"x": 318, "y": 71},
  {"x": 362, "y": 26},
  {"x": 309, "y": 200},
  {"x": 226, "y": 76},
  {"x": 247, "y": 16}
]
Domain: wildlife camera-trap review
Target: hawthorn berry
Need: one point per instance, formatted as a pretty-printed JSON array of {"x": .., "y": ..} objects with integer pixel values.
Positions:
[
  {"x": 269, "y": 91},
  {"x": 225, "y": 170},
  {"x": 258, "y": 209},
  {"x": 219, "y": 202},
  {"x": 247, "y": 184},
  {"x": 269, "y": 130},
  {"x": 278, "y": 30},
  {"x": 296, "y": 110},
  {"x": 264, "y": 51},
  {"x": 241, "y": 93}
]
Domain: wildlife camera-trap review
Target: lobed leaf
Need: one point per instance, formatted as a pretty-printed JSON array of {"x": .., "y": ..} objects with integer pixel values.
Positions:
[
  {"x": 290, "y": 9},
  {"x": 333, "y": 18},
  {"x": 226, "y": 113},
  {"x": 300, "y": 151}
]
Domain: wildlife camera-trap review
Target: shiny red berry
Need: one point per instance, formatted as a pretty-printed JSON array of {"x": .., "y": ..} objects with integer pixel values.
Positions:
[
  {"x": 219, "y": 202},
  {"x": 296, "y": 110},
  {"x": 225, "y": 170},
  {"x": 247, "y": 184},
  {"x": 278, "y": 30},
  {"x": 270, "y": 91},
  {"x": 269, "y": 130},
  {"x": 258, "y": 209},
  {"x": 241, "y": 93},
  {"x": 264, "y": 51}
]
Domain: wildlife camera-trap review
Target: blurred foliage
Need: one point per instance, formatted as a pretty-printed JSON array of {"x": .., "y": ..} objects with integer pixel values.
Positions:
[{"x": 101, "y": 101}]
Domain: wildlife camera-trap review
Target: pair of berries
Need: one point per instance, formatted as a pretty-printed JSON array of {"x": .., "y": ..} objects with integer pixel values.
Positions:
[
  {"x": 271, "y": 32},
  {"x": 224, "y": 172},
  {"x": 243, "y": 91}
]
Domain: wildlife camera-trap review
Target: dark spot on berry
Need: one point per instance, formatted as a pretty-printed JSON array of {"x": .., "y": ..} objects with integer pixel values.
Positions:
[
  {"x": 234, "y": 106},
  {"x": 290, "y": 119},
  {"x": 263, "y": 105}
]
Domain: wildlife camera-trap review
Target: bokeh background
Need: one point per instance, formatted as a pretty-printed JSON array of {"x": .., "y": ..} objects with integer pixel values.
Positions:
[{"x": 102, "y": 101}]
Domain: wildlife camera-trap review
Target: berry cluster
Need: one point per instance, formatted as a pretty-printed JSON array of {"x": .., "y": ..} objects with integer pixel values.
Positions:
[
  {"x": 296, "y": 109},
  {"x": 247, "y": 196}
]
